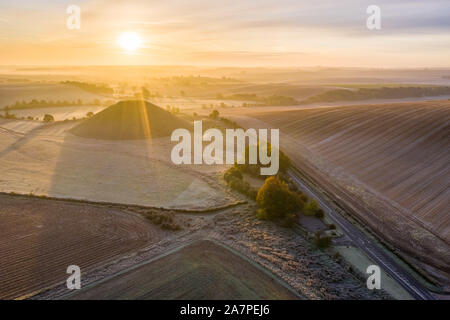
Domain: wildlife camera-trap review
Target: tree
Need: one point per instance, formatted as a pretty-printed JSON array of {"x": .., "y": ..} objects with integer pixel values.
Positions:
[
  {"x": 214, "y": 114},
  {"x": 276, "y": 201},
  {"x": 232, "y": 173},
  {"x": 145, "y": 93},
  {"x": 48, "y": 118}
]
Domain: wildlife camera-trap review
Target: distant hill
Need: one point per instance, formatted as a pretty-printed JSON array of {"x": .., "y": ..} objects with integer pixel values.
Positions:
[
  {"x": 130, "y": 120},
  {"x": 378, "y": 93}
]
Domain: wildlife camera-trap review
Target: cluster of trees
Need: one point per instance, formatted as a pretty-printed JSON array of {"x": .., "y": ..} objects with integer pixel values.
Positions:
[
  {"x": 8, "y": 115},
  {"x": 254, "y": 169},
  {"x": 34, "y": 103},
  {"x": 277, "y": 202},
  {"x": 235, "y": 181},
  {"x": 90, "y": 87},
  {"x": 378, "y": 93},
  {"x": 146, "y": 94},
  {"x": 278, "y": 199},
  {"x": 164, "y": 220},
  {"x": 46, "y": 118},
  {"x": 214, "y": 115},
  {"x": 276, "y": 100},
  {"x": 174, "y": 110}
]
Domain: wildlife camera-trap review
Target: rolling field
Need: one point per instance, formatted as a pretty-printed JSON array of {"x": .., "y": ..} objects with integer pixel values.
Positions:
[
  {"x": 45, "y": 159},
  {"x": 202, "y": 270},
  {"x": 392, "y": 161},
  {"x": 40, "y": 238}
]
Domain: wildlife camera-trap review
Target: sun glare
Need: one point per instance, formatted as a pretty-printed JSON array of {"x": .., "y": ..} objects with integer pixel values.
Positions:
[{"x": 130, "y": 41}]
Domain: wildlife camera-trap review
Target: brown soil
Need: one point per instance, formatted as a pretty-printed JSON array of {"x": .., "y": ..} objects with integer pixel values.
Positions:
[
  {"x": 387, "y": 164},
  {"x": 40, "y": 238}
]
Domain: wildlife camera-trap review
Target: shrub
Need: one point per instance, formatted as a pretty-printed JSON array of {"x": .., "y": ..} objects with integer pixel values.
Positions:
[
  {"x": 276, "y": 201},
  {"x": 288, "y": 221},
  {"x": 231, "y": 173},
  {"x": 48, "y": 118},
  {"x": 235, "y": 181},
  {"x": 214, "y": 114},
  {"x": 254, "y": 169},
  {"x": 243, "y": 187},
  {"x": 310, "y": 208},
  {"x": 319, "y": 214},
  {"x": 89, "y": 114},
  {"x": 332, "y": 226},
  {"x": 10, "y": 115},
  {"x": 322, "y": 241},
  {"x": 164, "y": 220}
]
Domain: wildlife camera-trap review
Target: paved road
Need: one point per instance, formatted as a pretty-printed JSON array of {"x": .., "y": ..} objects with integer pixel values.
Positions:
[{"x": 362, "y": 241}]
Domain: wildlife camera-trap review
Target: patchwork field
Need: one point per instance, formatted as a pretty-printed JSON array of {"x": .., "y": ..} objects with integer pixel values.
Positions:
[
  {"x": 390, "y": 161},
  {"x": 203, "y": 270},
  {"x": 40, "y": 238}
]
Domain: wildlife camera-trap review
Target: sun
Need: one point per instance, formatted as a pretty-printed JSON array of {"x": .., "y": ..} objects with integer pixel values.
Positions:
[{"x": 130, "y": 41}]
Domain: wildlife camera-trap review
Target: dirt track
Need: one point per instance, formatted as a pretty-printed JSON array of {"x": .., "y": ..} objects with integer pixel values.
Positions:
[{"x": 40, "y": 238}]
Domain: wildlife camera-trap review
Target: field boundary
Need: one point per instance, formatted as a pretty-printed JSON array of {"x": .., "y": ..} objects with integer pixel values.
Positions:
[{"x": 121, "y": 205}]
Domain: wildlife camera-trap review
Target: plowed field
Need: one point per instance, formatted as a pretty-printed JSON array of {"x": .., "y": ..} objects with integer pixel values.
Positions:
[
  {"x": 392, "y": 160},
  {"x": 40, "y": 238},
  {"x": 202, "y": 270}
]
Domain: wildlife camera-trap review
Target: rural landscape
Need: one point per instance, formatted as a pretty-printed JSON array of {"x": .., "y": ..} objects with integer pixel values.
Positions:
[{"x": 88, "y": 180}]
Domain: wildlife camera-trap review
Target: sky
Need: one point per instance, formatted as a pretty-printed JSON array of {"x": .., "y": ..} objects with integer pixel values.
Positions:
[{"x": 270, "y": 33}]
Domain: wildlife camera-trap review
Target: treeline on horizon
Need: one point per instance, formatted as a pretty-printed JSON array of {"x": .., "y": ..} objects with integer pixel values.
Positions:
[
  {"x": 378, "y": 93},
  {"x": 34, "y": 103},
  {"x": 90, "y": 87}
]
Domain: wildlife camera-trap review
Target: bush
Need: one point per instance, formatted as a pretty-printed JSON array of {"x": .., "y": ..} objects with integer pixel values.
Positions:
[
  {"x": 288, "y": 221},
  {"x": 164, "y": 220},
  {"x": 276, "y": 201},
  {"x": 214, "y": 114},
  {"x": 235, "y": 181},
  {"x": 322, "y": 241},
  {"x": 319, "y": 214},
  {"x": 231, "y": 173},
  {"x": 89, "y": 114},
  {"x": 255, "y": 169},
  {"x": 332, "y": 226},
  {"x": 10, "y": 115},
  {"x": 310, "y": 208},
  {"x": 48, "y": 118}
]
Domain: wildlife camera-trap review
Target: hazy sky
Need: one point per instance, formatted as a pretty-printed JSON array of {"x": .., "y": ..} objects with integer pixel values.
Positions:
[{"x": 414, "y": 33}]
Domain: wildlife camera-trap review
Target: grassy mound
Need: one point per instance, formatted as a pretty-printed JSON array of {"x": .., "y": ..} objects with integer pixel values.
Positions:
[{"x": 130, "y": 120}]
